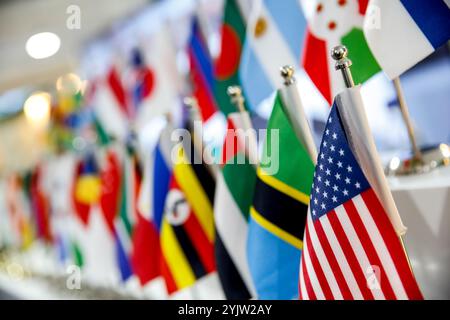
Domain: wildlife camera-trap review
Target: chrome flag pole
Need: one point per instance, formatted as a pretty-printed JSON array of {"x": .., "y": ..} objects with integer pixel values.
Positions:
[
  {"x": 195, "y": 117},
  {"x": 417, "y": 154},
  {"x": 295, "y": 111},
  {"x": 236, "y": 98}
]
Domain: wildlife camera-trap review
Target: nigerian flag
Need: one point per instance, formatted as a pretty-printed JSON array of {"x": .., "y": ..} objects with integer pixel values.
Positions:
[
  {"x": 278, "y": 213},
  {"x": 234, "y": 193},
  {"x": 227, "y": 64}
]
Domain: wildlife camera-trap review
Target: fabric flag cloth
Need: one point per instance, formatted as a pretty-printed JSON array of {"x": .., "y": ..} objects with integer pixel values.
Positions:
[
  {"x": 331, "y": 23},
  {"x": 402, "y": 33},
  {"x": 110, "y": 175},
  {"x": 40, "y": 205},
  {"x": 227, "y": 64},
  {"x": 110, "y": 101},
  {"x": 56, "y": 176},
  {"x": 125, "y": 220},
  {"x": 150, "y": 206},
  {"x": 59, "y": 182},
  {"x": 115, "y": 204},
  {"x": 93, "y": 245},
  {"x": 278, "y": 214},
  {"x": 143, "y": 79},
  {"x": 157, "y": 175},
  {"x": 275, "y": 33},
  {"x": 351, "y": 249},
  {"x": 155, "y": 81},
  {"x": 187, "y": 229},
  {"x": 86, "y": 187},
  {"x": 19, "y": 214},
  {"x": 202, "y": 71},
  {"x": 234, "y": 193}
]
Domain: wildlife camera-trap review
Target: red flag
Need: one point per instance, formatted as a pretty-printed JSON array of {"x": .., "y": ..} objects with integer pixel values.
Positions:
[
  {"x": 41, "y": 206},
  {"x": 110, "y": 188},
  {"x": 145, "y": 252}
]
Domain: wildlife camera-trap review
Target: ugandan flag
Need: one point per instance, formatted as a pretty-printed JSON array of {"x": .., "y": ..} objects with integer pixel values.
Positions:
[
  {"x": 227, "y": 64},
  {"x": 187, "y": 229},
  {"x": 278, "y": 213}
]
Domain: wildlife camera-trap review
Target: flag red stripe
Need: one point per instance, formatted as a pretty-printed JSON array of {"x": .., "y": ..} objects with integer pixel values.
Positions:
[
  {"x": 204, "y": 248},
  {"x": 329, "y": 253},
  {"x": 350, "y": 255},
  {"x": 393, "y": 244},
  {"x": 371, "y": 252},
  {"x": 317, "y": 268},
  {"x": 167, "y": 275},
  {"x": 309, "y": 288},
  {"x": 201, "y": 90},
  {"x": 231, "y": 140},
  {"x": 118, "y": 90}
]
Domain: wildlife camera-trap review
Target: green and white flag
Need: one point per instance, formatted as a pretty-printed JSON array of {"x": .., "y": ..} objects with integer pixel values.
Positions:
[{"x": 234, "y": 193}]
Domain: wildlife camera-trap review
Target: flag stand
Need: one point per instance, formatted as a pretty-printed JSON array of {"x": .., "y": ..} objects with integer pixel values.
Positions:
[
  {"x": 417, "y": 158},
  {"x": 295, "y": 111},
  {"x": 339, "y": 53},
  {"x": 194, "y": 114},
  {"x": 235, "y": 94},
  {"x": 237, "y": 99},
  {"x": 420, "y": 162}
]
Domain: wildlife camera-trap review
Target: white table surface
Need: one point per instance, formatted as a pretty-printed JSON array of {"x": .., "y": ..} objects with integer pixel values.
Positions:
[{"x": 424, "y": 205}]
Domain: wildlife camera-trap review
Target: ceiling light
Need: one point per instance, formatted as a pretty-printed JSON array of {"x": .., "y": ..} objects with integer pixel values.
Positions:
[
  {"x": 43, "y": 45},
  {"x": 69, "y": 84},
  {"x": 37, "y": 107}
]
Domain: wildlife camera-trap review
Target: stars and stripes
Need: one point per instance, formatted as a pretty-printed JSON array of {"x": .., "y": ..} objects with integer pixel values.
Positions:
[{"x": 350, "y": 249}]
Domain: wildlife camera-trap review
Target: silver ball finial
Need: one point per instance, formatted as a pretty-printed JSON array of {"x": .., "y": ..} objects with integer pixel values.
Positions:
[
  {"x": 339, "y": 52},
  {"x": 234, "y": 91},
  {"x": 190, "y": 102},
  {"x": 235, "y": 94},
  {"x": 287, "y": 72}
]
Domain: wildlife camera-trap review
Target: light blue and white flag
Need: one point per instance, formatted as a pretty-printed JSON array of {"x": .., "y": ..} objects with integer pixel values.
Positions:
[{"x": 275, "y": 34}]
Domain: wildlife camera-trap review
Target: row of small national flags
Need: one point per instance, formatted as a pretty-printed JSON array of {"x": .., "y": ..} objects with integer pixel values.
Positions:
[
  {"x": 259, "y": 37},
  {"x": 323, "y": 225}
]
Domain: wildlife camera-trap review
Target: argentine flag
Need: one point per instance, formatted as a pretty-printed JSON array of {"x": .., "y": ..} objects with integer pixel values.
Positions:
[{"x": 275, "y": 34}]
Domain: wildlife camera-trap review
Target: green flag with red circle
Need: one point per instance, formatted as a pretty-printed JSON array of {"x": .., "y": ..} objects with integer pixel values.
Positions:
[{"x": 227, "y": 64}]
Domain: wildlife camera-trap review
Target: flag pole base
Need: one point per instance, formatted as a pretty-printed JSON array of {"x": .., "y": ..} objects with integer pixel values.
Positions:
[{"x": 432, "y": 158}]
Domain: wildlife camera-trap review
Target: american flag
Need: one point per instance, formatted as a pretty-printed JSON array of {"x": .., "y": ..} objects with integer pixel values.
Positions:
[{"x": 350, "y": 248}]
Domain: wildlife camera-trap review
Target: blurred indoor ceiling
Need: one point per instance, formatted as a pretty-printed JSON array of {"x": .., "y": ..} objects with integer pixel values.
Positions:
[{"x": 19, "y": 19}]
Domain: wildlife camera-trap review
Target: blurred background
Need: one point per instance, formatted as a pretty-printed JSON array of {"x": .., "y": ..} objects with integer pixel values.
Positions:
[{"x": 60, "y": 60}]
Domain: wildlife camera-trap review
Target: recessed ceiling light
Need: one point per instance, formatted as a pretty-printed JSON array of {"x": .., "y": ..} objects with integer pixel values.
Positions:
[
  {"x": 37, "y": 107},
  {"x": 42, "y": 45}
]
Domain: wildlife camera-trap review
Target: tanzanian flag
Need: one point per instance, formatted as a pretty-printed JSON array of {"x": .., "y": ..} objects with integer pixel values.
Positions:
[
  {"x": 278, "y": 214},
  {"x": 187, "y": 229},
  {"x": 227, "y": 64}
]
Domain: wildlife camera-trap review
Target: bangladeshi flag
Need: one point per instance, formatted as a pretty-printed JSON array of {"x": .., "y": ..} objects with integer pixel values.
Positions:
[
  {"x": 226, "y": 67},
  {"x": 331, "y": 23}
]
